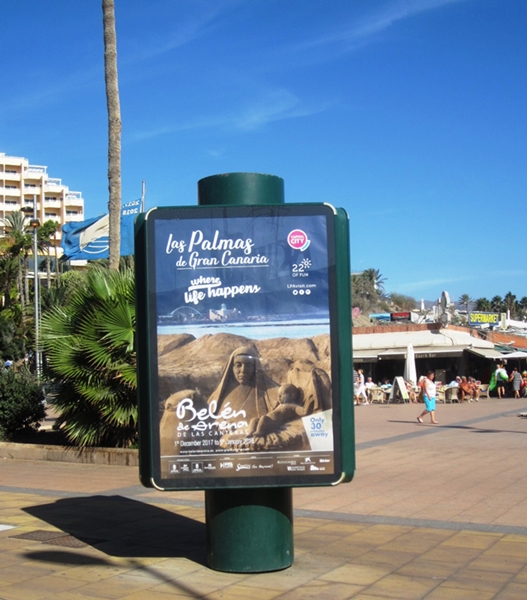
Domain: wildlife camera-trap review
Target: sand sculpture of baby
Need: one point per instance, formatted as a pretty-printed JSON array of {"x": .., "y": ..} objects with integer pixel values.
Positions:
[{"x": 290, "y": 407}]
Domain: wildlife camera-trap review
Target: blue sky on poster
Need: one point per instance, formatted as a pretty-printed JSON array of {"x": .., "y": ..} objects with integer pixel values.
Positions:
[{"x": 408, "y": 113}]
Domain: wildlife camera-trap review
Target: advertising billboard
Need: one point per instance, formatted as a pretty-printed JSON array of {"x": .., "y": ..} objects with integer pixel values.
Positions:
[
  {"x": 241, "y": 386},
  {"x": 400, "y": 316},
  {"x": 483, "y": 318}
]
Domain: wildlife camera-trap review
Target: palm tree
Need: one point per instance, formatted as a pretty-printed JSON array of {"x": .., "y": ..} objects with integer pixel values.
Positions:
[
  {"x": 523, "y": 306},
  {"x": 15, "y": 222},
  {"x": 483, "y": 304},
  {"x": 367, "y": 288},
  {"x": 114, "y": 130},
  {"x": 8, "y": 274},
  {"x": 18, "y": 245},
  {"x": 496, "y": 303},
  {"x": 45, "y": 232},
  {"x": 375, "y": 279},
  {"x": 510, "y": 303},
  {"x": 89, "y": 346},
  {"x": 465, "y": 300}
]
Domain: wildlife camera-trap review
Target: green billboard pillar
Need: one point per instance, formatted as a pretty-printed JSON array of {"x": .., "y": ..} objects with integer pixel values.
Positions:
[
  {"x": 248, "y": 530},
  {"x": 240, "y": 189}
]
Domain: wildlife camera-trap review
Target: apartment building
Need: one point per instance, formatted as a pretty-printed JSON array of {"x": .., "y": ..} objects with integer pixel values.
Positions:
[{"x": 22, "y": 184}]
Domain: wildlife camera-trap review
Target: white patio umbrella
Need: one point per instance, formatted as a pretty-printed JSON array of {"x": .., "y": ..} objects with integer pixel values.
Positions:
[{"x": 410, "y": 370}]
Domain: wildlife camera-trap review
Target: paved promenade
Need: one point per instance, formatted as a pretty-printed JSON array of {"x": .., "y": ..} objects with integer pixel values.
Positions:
[{"x": 435, "y": 512}]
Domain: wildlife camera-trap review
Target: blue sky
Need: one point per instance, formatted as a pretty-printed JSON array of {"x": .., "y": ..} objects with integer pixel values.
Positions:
[{"x": 411, "y": 114}]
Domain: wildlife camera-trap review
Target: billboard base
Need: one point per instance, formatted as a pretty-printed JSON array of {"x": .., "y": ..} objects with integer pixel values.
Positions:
[{"x": 249, "y": 530}]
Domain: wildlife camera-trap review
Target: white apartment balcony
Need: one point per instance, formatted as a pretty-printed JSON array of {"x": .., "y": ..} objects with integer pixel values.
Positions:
[
  {"x": 28, "y": 203},
  {"x": 31, "y": 188},
  {"x": 74, "y": 217},
  {"x": 53, "y": 185},
  {"x": 9, "y": 206},
  {"x": 10, "y": 191},
  {"x": 52, "y": 203},
  {"x": 51, "y": 217},
  {"x": 10, "y": 176},
  {"x": 37, "y": 169},
  {"x": 74, "y": 199}
]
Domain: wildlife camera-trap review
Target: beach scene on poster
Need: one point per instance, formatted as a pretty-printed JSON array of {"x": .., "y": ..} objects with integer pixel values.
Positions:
[{"x": 243, "y": 347}]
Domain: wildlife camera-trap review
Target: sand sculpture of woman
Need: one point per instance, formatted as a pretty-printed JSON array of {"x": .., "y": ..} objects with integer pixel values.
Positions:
[{"x": 244, "y": 386}]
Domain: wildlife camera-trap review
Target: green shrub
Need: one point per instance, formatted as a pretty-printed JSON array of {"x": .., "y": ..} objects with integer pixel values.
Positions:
[
  {"x": 89, "y": 350},
  {"x": 21, "y": 403},
  {"x": 11, "y": 337}
]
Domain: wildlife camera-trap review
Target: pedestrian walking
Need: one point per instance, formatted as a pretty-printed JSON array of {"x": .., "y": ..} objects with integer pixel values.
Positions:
[
  {"x": 500, "y": 376},
  {"x": 429, "y": 397},
  {"x": 361, "y": 391},
  {"x": 516, "y": 380},
  {"x": 355, "y": 387}
]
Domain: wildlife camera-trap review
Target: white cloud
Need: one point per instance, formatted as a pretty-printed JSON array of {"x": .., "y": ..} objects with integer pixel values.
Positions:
[
  {"x": 438, "y": 282},
  {"x": 367, "y": 29},
  {"x": 276, "y": 105},
  {"x": 272, "y": 105},
  {"x": 205, "y": 18}
]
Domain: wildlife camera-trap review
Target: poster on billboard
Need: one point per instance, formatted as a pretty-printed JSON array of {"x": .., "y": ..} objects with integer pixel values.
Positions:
[{"x": 242, "y": 346}]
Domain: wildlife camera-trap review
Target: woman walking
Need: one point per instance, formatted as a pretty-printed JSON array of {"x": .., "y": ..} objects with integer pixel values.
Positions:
[
  {"x": 361, "y": 392},
  {"x": 429, "y": 396},
  {"x": 516, "y": 380}
]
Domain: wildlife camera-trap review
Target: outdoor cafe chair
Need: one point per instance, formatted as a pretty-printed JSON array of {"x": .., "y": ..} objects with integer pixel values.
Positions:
[{"x": 376, "y": 394}]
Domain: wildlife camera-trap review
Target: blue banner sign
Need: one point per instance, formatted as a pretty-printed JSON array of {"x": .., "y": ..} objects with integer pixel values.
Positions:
[{"x": 88, "y": 240}]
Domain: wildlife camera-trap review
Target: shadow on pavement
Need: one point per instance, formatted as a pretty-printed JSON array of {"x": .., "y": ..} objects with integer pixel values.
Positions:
[{"x": 123, "y": 527}]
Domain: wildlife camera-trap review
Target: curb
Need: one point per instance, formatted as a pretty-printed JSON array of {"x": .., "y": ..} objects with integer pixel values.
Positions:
[{"x": 96, "y": 456}]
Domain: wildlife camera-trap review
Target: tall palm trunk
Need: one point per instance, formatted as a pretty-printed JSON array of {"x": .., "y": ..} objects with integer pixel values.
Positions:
[
  {"x": 114, "y": 131},
  {"x": 26, "y": 282},
  {"x": 57, "y": 279},
  {"x": 20, "y": 283},
  {"x": 48, "y": 268}
]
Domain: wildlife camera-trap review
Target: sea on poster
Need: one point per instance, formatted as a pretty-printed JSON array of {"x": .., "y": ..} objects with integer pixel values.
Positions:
[{"x": 244, "y": 359}]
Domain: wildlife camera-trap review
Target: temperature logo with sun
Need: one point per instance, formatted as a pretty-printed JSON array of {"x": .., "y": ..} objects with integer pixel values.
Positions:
[{"x": 301, "y": 269}]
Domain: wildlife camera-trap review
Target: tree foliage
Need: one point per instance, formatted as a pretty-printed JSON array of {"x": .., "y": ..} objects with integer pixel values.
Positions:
[
  {"x": 402, "y": 302},
  {"x": 89, "y": 345},
  {"x": 367, "y": 289},
  {"x": 465, "y": 300},
  {"x": 21, "y": 403},
  {"x": 509, "y": 302}
]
